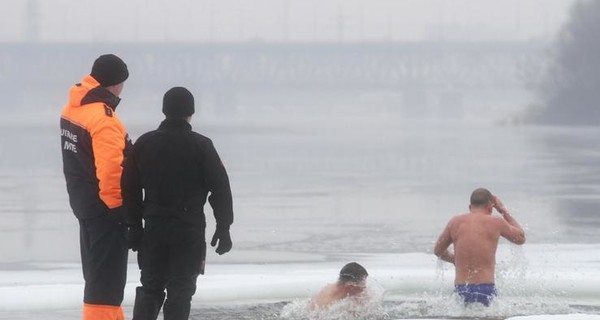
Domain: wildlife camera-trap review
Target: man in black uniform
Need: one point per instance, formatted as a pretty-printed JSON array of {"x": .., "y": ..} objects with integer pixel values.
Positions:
[{"x": 166, "y": 181}]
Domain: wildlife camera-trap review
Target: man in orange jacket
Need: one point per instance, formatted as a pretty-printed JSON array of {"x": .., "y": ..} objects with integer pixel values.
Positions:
[{"x": 94, "y": 144}]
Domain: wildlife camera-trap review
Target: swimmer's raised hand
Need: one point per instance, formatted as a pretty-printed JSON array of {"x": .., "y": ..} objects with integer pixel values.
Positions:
[{"x": 498, "y": 205}]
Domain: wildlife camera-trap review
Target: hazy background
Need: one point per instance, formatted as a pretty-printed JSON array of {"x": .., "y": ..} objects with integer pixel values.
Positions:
[
  {"x": 351, "y": 130},
  {"x": 467, "y": 59},
  {"x": 280, "y": 20},
  {"x": 363, "y": 112},
  {"x": 568, "y": 91}
]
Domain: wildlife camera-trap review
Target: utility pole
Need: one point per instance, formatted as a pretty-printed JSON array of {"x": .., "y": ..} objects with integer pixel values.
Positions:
[
  {"x": 361, "y": 22},
  {"x": 32, "y": 27},
  {"x": 284, "y": 20},
  {"x": 211, "y": 23},
  {"x": 241, "y": 22},
  {"x": 340, "y": 24},
  {"x": 314, "y": 20}
]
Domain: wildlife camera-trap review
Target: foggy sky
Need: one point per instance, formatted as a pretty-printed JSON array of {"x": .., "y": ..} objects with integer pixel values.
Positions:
[{"x": 280, "y": 20}]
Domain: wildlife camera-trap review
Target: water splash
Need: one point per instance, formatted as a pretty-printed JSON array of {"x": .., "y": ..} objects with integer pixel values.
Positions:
[
  {"x": 367, "y": 306},
  {"x": 522, "y": 292},
  {"x": 519, "y": 293},
  {"x": 440, "y": 270}
]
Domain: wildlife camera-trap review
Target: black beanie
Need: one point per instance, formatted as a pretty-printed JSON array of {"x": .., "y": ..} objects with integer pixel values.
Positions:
[
  {"x": 109, "y": 70},
  {"x": 178, "y": 102}
]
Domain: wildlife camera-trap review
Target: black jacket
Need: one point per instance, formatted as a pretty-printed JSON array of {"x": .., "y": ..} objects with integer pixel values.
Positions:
[{"x": 176, "y": 168}]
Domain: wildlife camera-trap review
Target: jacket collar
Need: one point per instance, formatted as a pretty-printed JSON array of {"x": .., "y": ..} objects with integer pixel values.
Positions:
[
  {"x": 100, "y": 94},
  {"x": 174, "y": 124},
  {"x": 89, "y": 91}
]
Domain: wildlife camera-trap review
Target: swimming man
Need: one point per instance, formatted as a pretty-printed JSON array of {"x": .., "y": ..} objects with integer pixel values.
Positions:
[
  {"x": 351, "y": 283},
  {"x": 474, "y": 236}
]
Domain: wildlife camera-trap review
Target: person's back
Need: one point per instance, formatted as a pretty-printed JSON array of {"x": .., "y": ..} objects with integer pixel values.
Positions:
[
  {"x": 169, "y": 159},
  {"x": 166, "y": 181},
  {"x": 94, "y": 144},
  {"x": 474, "y": 236}
]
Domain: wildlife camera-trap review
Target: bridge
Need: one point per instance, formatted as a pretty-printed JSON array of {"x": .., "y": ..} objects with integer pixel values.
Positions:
[{"x": 225, "y": 72}]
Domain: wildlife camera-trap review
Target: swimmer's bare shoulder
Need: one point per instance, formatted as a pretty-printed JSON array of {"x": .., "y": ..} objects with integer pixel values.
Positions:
[
  {"x": 323, "y": 298},
  {"x": 456, "y": 221}
]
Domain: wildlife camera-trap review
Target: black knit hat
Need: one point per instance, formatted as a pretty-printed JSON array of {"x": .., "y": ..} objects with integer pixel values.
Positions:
[
  {"x": 109, "y": 70},
  {"x": 178, "y": 102}
]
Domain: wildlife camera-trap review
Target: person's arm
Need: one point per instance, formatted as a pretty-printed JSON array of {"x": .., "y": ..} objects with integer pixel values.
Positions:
[
  {"x": 133, "y": 198},
  {"x": 443, "y": 243},
  {"x": 511, "y": 229},
  {"x": 220, "y": 198},
  {"x": 108, "y": 143},
  {"x": 132, "y": 192}
]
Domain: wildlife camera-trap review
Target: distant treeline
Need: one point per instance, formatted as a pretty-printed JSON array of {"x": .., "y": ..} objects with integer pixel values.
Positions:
[{"x": 570, "y": 91}]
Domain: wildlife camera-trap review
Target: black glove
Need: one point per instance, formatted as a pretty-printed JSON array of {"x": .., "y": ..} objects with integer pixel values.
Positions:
[
  {"x": 222, "y": 235},
  {"x": 117, "y": 214},
  {"x": 135, "y": 236}
]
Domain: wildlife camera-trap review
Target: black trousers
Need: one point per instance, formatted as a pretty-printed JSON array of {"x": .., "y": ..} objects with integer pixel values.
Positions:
[
  {"x": 103, "y": 244},
  {"x": 171, "y": 258}
]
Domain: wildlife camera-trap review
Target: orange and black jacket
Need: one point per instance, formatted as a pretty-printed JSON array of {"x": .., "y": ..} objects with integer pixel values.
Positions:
[{"x": 94, "y": 144}]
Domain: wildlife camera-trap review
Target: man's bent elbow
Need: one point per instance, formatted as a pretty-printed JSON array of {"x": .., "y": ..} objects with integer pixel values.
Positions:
[
  {"x": 519, "y": 239},
  {"x": 438, "y": 252}
]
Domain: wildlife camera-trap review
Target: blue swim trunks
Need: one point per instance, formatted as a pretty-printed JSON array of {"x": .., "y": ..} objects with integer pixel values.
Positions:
[{"x": 471, "y": 293}]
